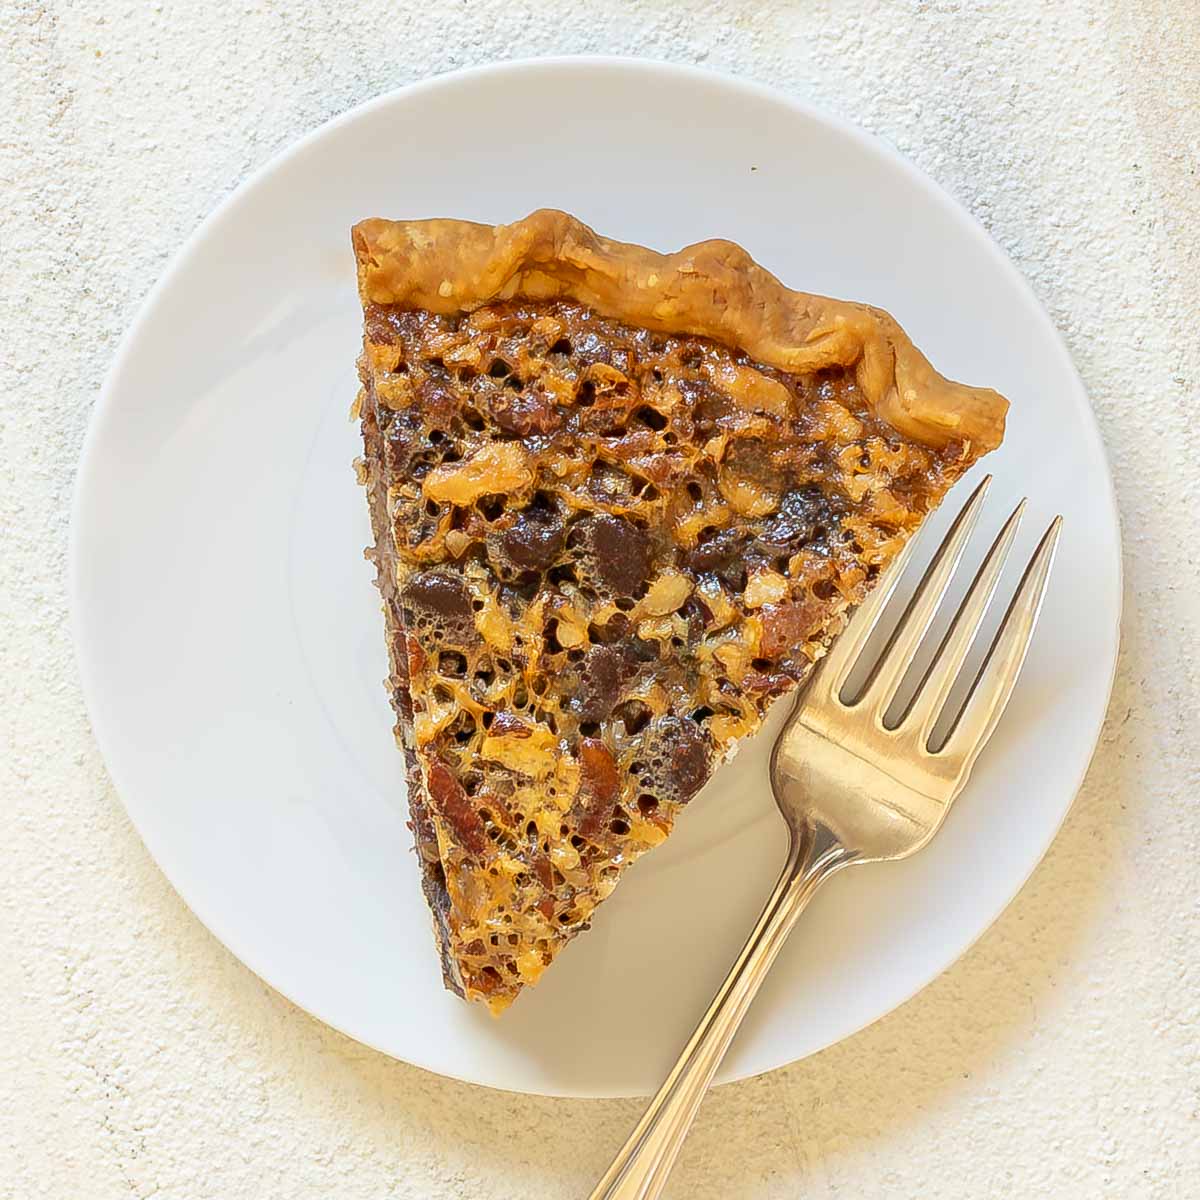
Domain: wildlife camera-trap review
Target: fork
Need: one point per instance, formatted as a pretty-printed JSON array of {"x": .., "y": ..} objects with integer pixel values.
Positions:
[{"x": 857, "y": 784}]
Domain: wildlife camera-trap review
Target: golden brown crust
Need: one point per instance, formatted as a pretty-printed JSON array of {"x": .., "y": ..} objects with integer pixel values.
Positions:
[{"x": 712, "y": 289}]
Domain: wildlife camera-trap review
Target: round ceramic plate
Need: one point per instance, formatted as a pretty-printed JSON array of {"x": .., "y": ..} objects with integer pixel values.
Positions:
[{"x": 230, "y": 638}]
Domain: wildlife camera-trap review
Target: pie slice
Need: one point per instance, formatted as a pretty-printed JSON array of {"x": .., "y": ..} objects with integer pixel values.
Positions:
[{"x": 621, "y": 502}]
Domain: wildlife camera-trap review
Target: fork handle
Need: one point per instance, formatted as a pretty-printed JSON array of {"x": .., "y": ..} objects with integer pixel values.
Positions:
[{"x": 640, "y": 1170}]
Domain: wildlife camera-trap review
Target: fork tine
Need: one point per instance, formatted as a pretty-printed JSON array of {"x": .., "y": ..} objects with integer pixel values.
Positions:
[
  {"x": 938, "y": 681},
  {"x": 994, "y": 684},
  {"x": 897, "y": 656}
]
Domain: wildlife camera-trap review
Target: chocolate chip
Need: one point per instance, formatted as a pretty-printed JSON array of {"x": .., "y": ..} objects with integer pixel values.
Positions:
[
  {"x": 524, "y": 412},
  {"x": 801, "y": 513},
  {"x": 687, "y": 756},
  {"x": 675, "y": 755},
  {"x": 726, "y": 555},
  {"x": 438, "y": 593},
  {"x": 751, "y": 460},
  {"x": 620, "y": 553},
  {"x": 534, "y": 540},
  {"x": 720, "y": 550},
  {"x": 600, "y": 676}
]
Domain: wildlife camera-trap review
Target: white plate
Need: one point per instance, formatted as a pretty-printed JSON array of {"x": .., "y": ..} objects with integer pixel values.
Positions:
[{"x": 230, "y": 638}]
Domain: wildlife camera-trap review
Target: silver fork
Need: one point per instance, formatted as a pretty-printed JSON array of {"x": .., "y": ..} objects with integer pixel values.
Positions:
[{"x": 855, "y": 787}]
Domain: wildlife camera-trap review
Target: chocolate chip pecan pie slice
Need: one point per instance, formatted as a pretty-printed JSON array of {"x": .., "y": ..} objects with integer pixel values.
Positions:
[{"x": 621, "y": 501}]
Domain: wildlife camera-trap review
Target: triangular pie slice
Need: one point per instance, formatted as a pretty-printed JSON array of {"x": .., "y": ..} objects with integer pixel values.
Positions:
[{"x": 621, "y": 502}]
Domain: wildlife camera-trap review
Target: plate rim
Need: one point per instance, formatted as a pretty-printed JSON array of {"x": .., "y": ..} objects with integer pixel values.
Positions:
[{"x": 104, "y": 405}]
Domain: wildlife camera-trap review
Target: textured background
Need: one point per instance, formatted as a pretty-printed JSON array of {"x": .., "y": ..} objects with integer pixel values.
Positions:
[{"x": 1060, "y": 1057}]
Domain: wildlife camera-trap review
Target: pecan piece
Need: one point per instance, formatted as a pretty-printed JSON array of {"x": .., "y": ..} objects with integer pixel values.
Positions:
[{"x": 452, "y": 804}]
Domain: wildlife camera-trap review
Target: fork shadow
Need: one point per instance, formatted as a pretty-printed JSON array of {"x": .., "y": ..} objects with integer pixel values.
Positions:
[{"x": 795, "y": 1122}]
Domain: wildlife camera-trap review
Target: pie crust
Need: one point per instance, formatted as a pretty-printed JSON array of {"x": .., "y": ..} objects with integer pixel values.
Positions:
[{"x": 713, "y": 289}]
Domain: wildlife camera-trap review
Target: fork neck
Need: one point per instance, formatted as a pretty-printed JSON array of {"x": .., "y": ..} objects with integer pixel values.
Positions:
[{"x": 814, "y": 853}]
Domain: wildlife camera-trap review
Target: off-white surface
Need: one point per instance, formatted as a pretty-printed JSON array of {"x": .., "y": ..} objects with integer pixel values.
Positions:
[{"x": 1058, "y": 1058}]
